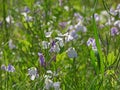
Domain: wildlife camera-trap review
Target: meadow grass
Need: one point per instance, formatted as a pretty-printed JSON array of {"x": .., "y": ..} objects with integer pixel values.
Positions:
[{"x": 59, "y": 44}]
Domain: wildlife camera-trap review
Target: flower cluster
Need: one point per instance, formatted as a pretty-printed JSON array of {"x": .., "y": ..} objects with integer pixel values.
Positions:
[
  {"x": 8, "y": 68},
  {"x": 49, "y": 82}
]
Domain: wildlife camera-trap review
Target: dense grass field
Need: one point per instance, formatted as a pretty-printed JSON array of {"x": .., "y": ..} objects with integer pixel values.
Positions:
[{"x": 59, "y": 45}]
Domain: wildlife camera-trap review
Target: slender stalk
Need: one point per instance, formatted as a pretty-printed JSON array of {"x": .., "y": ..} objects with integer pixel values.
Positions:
[
  {"x": 6, "y": 36},
  {"x": 98, "y": 45}
]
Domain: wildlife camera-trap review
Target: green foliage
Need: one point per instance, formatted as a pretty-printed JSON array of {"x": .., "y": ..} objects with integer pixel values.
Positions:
[{"x": 50, "y": 28}]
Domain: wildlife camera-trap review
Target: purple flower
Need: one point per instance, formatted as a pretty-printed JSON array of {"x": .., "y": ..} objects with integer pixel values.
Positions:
[
  {"x": 63, "y": 24},
  {"x": 26, "y": 9},
  {"x": 54, "y": 47},
  {"x": 42, "y": 59},
  {"x": 114, "y": 31},
  {"x": 56, "y": 85},
  {"x": 3, "y": 67},
  {"x": 78, "y": 16},
  {"x": 91, "y": 42},
  {"x": 113, "y": 12},
  {"x": 80, "y": 27},
  {"x": 71, "y": 53},
  {"x": 10, "y": 68},
  {"x": 53, "y": 43}
]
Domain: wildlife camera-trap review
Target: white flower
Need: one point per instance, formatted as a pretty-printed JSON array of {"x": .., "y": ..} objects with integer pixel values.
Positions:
[
  {"x": 97, "y": 17},
  {"x": 60, "y": 41},
  {"x": 48, "y": 34},
  {"x": 48, "y": 84},
  {"x": 117, "y": 23},
  {"x": 9, "y": 19},
  {"x": 56, "y": 48},
  {"x": 71, "y": 35},
  {"x": 32, "y": 72},
  {"x": 118, "y": 7},
  {"x": 45, "y": 44},
  {"x": 113, "y": 12},
  {"x": 66, "y": 8},
  {"x": 49, "y": 71},
  {"x": 27, "y": 18}
]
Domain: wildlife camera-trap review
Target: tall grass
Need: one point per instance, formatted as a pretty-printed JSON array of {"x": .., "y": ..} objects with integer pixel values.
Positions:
[{"x": 44, "y": 45}]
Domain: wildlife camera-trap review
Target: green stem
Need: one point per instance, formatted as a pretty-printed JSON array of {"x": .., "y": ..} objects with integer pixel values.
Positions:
[
  {"x": 96, "y": 35},
  {"x": 4, "y": 20}
]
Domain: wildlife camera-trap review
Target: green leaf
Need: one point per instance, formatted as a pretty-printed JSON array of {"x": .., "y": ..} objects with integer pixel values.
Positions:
[
  {"x": 29, "y": 3},
  {"x": 111, "y": 58},
  {"x": 61, "y": 56},
  {"x": 94, "y": 60}
]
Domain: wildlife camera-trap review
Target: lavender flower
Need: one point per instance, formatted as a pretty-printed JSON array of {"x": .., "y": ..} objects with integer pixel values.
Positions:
[
  {"x": 56, "y": 85},
  {"x": 10, "y": 68},
  {"x": 71, "y": 53},
  {"x": 113, "y": 12},
  {"x": 71, "y": 35},
  {"x": 114, "y": 31},
  {"x": 42, "y": 59},
  {"x": 26, "y": 9},
  {"x": 81, "y": 28},
  {"x": 91, "y": 42},
  {"x": 54, "y": 47},
  {"x": 97, "y": 17},
  {"x": 63, "y": 24},
  {"x": 3, "y": 67},
  {"x": 79, "y": 18},
  {"x": 74, "y": 34}
]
